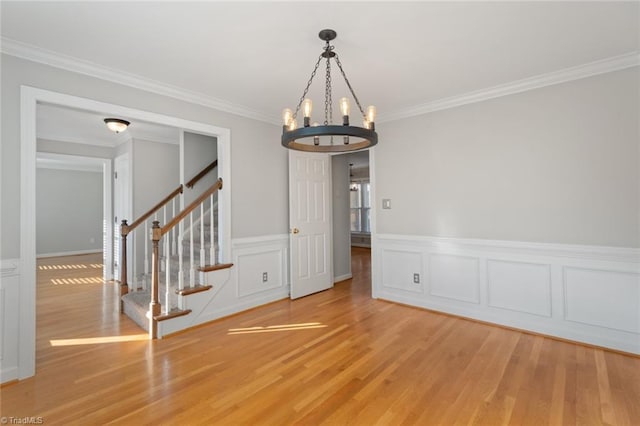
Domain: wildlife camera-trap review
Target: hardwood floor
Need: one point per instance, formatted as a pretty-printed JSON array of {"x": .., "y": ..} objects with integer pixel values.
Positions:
[{"x": 337, "y": 357}]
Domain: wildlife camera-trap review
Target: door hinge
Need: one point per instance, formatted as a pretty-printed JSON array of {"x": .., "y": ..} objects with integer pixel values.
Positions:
[{"x": 115, "y": 175}]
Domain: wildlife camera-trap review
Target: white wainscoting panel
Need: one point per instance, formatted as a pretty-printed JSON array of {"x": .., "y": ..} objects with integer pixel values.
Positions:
[
  {"x": 603, "y": 298},
  {"x": 399, "y": 267},
  {"x": 588, "y": 294},
  {"x": 252, "y": 266},
  {"x": 519, "y": 286},
  {"x": 454, "y": 277},
  {"x": 9, "y": 294}
]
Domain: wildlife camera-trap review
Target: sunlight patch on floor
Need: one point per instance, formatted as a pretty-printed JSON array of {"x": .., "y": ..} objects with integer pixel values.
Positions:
[
  {"x": 98, "y": 340},
  {"x": 86, "y": 280},
  {"x": 77, "y": 266},
  {"x": 273, "y": 328}
]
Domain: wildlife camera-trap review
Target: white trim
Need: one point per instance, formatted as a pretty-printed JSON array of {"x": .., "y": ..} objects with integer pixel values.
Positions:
[
  {"x": 27, "y": 316},
  {"x": 29, "y": 97},
  {"x": 603, "y": 66},
  {"x": 69, "y": 63},
  {"x": 107, "y": 217},
  {"x": 601, "y": 253},
  {"x": 9, "y": 267},
  {"x": 249, "y": 242},
  {"x": 68, "y": 253},
  {"x": 342, "y": 278},
  {"x": 77, "y": 167}
]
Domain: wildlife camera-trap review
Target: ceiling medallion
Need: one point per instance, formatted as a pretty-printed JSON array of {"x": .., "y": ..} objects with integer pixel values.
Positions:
[{"x": 328, "y": 137}]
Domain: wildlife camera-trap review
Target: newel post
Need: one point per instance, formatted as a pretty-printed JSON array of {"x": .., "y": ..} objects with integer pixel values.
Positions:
[
  {"x": 154, "y": 305},
  {"x": 124, "y": 287}
]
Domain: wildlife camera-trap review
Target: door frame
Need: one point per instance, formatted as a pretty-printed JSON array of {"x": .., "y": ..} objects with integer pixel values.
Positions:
[
  {"x": 129, "y": 214},
  {"x": 107, "y": 187},
  {"x": 29, "y": 98},
  {"x": 375, "y": 282}
]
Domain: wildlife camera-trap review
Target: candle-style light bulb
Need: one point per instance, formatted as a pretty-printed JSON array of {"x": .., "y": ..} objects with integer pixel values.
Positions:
[
  {"x": 371, "y": 114},
  {"x": 292, "y": 124},
  {"x": 307, "y": 106},
  {"x": 365, "y": 124},
  {"x": 344, "y": 109},
  {"x": 344, "y": 106},
  {"x": 287, "y": 114}
]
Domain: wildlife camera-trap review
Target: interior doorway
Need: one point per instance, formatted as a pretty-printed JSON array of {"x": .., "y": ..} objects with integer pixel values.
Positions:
[
  {"x": 31, "y": 98},
  {"x": 353, "y": 215}
]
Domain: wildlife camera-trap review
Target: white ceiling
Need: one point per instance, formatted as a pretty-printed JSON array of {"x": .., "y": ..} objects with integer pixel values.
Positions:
[
  {"x": 258, "y": 56},
  {"x": 71, "y": 125}
]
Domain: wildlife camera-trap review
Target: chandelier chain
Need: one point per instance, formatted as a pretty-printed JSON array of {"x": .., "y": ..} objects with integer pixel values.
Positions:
[
  {"x": 306, "y": 89},
  {"x": 328, "y": 108},
  {"x": 349, "y": 86}
]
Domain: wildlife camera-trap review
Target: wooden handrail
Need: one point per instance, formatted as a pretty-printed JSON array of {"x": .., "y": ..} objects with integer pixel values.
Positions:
[
  {"x": 154, "y": 209},
  {"x": 173, "y": 222},
  {"x": 202, "y": 173}
]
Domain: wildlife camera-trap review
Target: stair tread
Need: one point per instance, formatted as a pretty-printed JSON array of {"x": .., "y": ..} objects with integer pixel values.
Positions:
[
  {"x": 172, "y": 314},
  {"x": 215, "y": 267}
]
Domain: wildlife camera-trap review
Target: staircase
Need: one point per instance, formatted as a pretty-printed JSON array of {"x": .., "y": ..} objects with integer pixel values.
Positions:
[
  {"x": 193, "y": 279},
  {"x": 183, "y": 253}
]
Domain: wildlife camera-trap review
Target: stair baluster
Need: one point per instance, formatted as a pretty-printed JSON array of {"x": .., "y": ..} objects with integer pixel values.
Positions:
[
  {"x": 212, "y": 247},
  {"x": 174, "y": 246},
  {"x": 146, "y": 257},
  {"x": 192, "y": 267},
  {"x": 202, "y": 246},
  {"x": 167, "y": 276},
  {"x": 180, "y": 255}
]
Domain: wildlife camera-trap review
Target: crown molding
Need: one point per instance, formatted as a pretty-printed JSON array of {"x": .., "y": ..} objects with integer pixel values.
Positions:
[
  {"x": 615, "y": 63},
  {"x": 69, "y": 63},
  {"x": 47, "y": 160},
  {"x": 48, "y": 57}
]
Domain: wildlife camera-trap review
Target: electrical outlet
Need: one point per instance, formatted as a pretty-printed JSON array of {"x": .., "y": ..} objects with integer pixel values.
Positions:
[
  {"x": 416, "y": 278},
  {"x": 386, "y": 203},
  {"x": 265, "y": 277}
]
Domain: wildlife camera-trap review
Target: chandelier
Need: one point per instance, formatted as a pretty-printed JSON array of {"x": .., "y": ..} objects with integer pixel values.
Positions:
[{"x": 328, "y": 137}]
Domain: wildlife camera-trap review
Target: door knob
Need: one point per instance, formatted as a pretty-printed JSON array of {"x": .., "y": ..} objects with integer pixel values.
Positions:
[{"x": 295, "y": 231}]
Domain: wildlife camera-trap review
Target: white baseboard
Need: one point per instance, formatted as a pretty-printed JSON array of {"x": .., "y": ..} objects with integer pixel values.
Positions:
[
  {"x": 67, "y": 253},
  {"x": 342, "y": 277},
  {"x": 589, "y": 294}
]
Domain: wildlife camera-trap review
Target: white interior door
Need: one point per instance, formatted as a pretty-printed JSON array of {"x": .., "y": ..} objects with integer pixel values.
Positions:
[
  {"x": 121, "y": 210},
  {"x": 310, "y": 223}
]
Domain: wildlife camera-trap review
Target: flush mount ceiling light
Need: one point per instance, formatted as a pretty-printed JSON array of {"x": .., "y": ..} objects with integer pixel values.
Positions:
[
  {"x": 328, "y": 137},
  {"x": 116, "y": 125}
]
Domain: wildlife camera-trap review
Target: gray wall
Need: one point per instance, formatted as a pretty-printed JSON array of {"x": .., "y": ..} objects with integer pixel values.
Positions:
[
  {"x": 68, "y": 211},
  {"x": 199, "y": 152},
  {"x": 156, "y": 172},
  {"x": 341, "y": 225},
  {"x": 558, "y": 164},
  {"x": 255, "y": 151}
]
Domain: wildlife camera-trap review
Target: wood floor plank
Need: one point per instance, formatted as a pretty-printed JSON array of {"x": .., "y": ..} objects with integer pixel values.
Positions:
[{"x": 336, "y": 357}]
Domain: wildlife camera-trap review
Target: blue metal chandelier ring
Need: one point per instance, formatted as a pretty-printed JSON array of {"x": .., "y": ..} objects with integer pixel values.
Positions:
[{"x": 289, "y": 138}]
